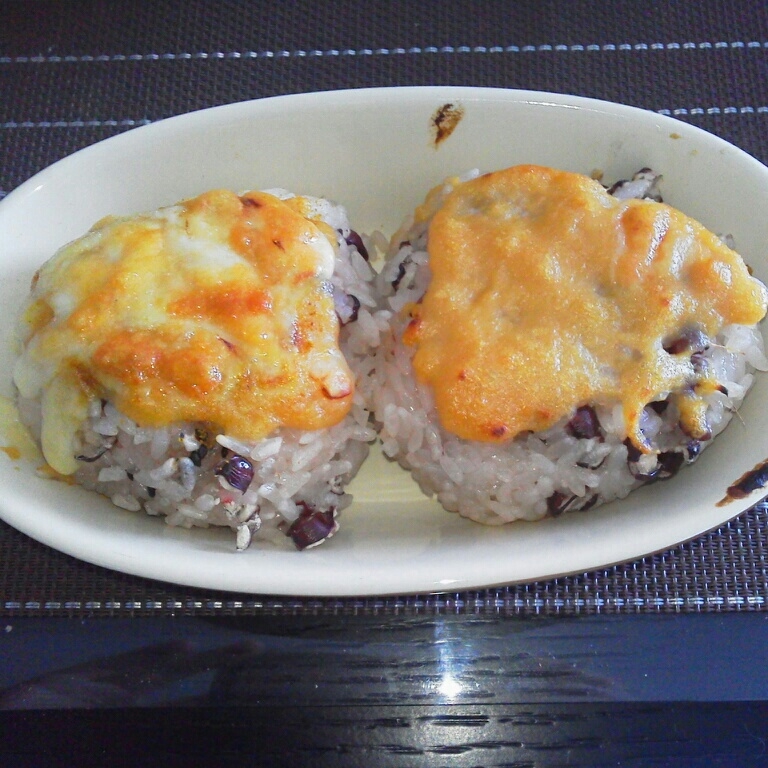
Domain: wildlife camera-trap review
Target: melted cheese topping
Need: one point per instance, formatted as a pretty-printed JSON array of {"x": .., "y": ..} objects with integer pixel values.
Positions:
[
  {"x": 548, "y": 294},
  {"x": 216, "y": 310}
]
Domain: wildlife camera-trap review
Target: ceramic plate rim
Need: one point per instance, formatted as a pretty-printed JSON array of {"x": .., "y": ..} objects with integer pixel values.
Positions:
[{"x": 143, "y": 546}]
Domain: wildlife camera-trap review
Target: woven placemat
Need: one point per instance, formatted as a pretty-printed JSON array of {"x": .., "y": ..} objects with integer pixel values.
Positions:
[
  {"x": 725, "y": 570},
  {"x": 74, "y": 73}
]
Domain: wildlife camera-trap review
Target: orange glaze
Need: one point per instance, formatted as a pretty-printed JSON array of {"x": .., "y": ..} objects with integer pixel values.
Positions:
[
  {"x": 216, "y": 310},
  {"x": 548, "y": 294}
]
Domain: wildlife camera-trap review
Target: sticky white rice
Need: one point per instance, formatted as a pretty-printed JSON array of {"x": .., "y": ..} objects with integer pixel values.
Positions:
[
  {"x": 299, "y": 477},
  {"x": 539, "y": 474}
]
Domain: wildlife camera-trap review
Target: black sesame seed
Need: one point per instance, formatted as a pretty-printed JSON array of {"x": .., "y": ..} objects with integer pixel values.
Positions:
[
  {"x": 197, "y": 456},
  {"x": 400, "y": 275}
]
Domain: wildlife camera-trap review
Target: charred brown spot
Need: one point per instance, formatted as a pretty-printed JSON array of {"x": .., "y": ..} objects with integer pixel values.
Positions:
[
  {"x": 753, "y": 480},
  {"x": 249, "y": 202},
  {"x": 499, "y": 430},
  {"x": 462, "y": 375},
  {"x": 278, "y": 244},
  {"x": 444, "y": 121}
]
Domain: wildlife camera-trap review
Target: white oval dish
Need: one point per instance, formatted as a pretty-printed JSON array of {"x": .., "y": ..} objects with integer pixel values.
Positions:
[{"x": 375, "y": 151}]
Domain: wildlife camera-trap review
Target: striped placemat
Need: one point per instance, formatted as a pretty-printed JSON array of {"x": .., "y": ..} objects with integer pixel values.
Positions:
[{"x": 73, "y": 74}]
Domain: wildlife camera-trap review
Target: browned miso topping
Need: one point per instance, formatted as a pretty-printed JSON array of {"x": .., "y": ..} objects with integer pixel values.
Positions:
[
  {"x": 548, "y": 294},
  {"x": 216, "y": 310}
]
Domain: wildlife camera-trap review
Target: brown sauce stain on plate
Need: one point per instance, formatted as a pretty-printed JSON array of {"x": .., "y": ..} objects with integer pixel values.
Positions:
[
  {"x": 750, "y": 481},
  {"x": 444, "y": 121}
]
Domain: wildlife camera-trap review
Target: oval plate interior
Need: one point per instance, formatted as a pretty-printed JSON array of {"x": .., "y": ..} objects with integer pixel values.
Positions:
[{"x": 376, "y": 152}]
